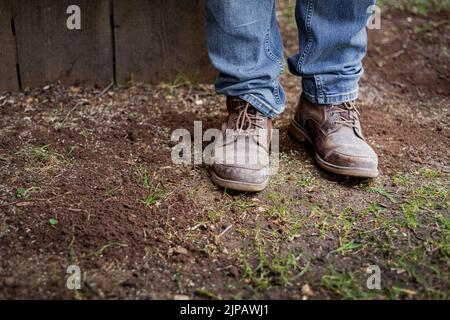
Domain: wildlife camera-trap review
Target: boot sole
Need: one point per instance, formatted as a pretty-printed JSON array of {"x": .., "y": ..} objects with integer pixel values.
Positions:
[
  {"x": 298, "y": 133},
  {"x": 239, "y": 186}
]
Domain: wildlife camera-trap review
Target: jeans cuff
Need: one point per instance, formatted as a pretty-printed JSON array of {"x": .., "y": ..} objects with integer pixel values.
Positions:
[
  {"x": 332, "y": 99},
  {"x": 262, "y": 106}
]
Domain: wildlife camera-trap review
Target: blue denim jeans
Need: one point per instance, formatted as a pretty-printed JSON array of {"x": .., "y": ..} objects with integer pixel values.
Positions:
[{"x": 245, "y": 46}]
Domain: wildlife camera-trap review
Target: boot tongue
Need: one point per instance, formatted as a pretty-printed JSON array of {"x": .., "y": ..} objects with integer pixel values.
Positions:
[
  {"x": 235, "y": 104},
  {"x": 343, "y": 112},
  {"x": 235, "y": 108}
]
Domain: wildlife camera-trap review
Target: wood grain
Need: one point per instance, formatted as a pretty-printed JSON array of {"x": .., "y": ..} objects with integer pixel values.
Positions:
[
  {"x": 8, "y": 71},
  {"x": 49, "y": 52},
  {"x": 160, "y": 40}
]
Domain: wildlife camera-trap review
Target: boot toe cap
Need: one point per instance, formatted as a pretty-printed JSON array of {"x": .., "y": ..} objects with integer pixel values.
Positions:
[{"x": 240, "y": 174}]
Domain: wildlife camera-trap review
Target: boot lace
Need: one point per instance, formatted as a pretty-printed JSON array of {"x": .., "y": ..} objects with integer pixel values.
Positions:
[
  {"x": 347, "y": 114},
  {"x": 246, "y": 120}
]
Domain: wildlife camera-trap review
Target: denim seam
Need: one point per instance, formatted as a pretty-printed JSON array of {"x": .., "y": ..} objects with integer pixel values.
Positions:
[
  {"x": 335, "y": 98},
  {"x": 276, "y": 92},
  {"x": 277, "y": 60},
  {"x": 260, "y": 105},
  {"x": 319, "y": 86},
  {"x": 271, "y": 55},
  {"x": 309, "y": 43}
]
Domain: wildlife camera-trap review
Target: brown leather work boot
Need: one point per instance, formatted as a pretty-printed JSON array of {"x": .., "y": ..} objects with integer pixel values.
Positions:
[
  {"x": 335, "y": 133},
  {"x": 241, "y": 160}
]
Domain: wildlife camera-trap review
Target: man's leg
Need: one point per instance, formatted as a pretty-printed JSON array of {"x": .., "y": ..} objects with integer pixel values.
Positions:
[
  {"x": 333, "y": 42},
  {"x": 245, "y": 46}
]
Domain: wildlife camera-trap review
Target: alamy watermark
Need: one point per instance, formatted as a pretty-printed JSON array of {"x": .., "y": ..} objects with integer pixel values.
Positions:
[
  {"x": 229, "y": 147},
  {"x": 73, "y": 22},
  {"x": 374, "y": 21},
  {"x": 374, "y": 280},
  {"x": 74, "y": 280}
]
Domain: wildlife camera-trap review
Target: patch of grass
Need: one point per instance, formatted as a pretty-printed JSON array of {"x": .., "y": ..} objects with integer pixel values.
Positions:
[
  {"x": 258, "y": 276},
  {"x": 276, "y": 270},
  {"x": 419, "y": 269},
  {"x": 144, "y": 179},
  {"x": 215, "y": 215},
  {"x": 320, "y": 220},
  {"x": 21, "y": 193},
  {"x": 375, "y": 208},
  {"x": 422, "y": 225},
  {"x": 283, "y": 211},
  {"x": 156, "y": 196},
  {"x": 429, "y": 173},
  {"x": 342, "y": 284},
  {"x": 24, "y": 193},
  {"x": 382, "y": 192},
  {"x": 282, "y": 267},
  {"x": 264, "y": 264},
  {"x": 40, "y": 152},
  {"x": 346, "y": 247},
  {"x": 155, "y": 191},
  {"x": 306, "y": 182},
  {"x": 279, "y": 212},
  {"x": 411, "y": 209},
  {"x": 402, "y": 179},
  {"x": 424, "y": 191},
  {"x": 43, "y": 158},
  {"x": 346, "y": 285},
  {"x": 241, "y": 206}
]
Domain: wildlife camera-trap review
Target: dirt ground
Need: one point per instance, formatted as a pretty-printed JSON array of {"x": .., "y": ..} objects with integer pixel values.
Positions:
[{"x": 86, "y": 179}]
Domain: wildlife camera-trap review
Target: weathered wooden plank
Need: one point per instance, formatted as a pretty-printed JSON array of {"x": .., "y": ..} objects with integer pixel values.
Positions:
[
  {"x": 48, "y": 51},
  {"x": 159, "y": 40},
  {"x": 8, "y": 61}
]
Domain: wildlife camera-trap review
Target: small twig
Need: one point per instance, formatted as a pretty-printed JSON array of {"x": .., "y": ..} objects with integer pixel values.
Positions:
[
  {"x": 395, "y": 54},
  {"x": 196, "y": 226},
  {"x": 105, "y": 90},
  {"x": 99, "y": 252},
  {"x": 225, "y": 268},
  {"x": 428, "y": 209},
  {"x": 224, "y": 231}
]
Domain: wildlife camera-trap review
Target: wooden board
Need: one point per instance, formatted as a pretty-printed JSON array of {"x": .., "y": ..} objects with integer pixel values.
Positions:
[
  {"x": 160, "y": 40},
  {"x": 49, "y": 52},
  {"x": 8, "y": 61}
]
